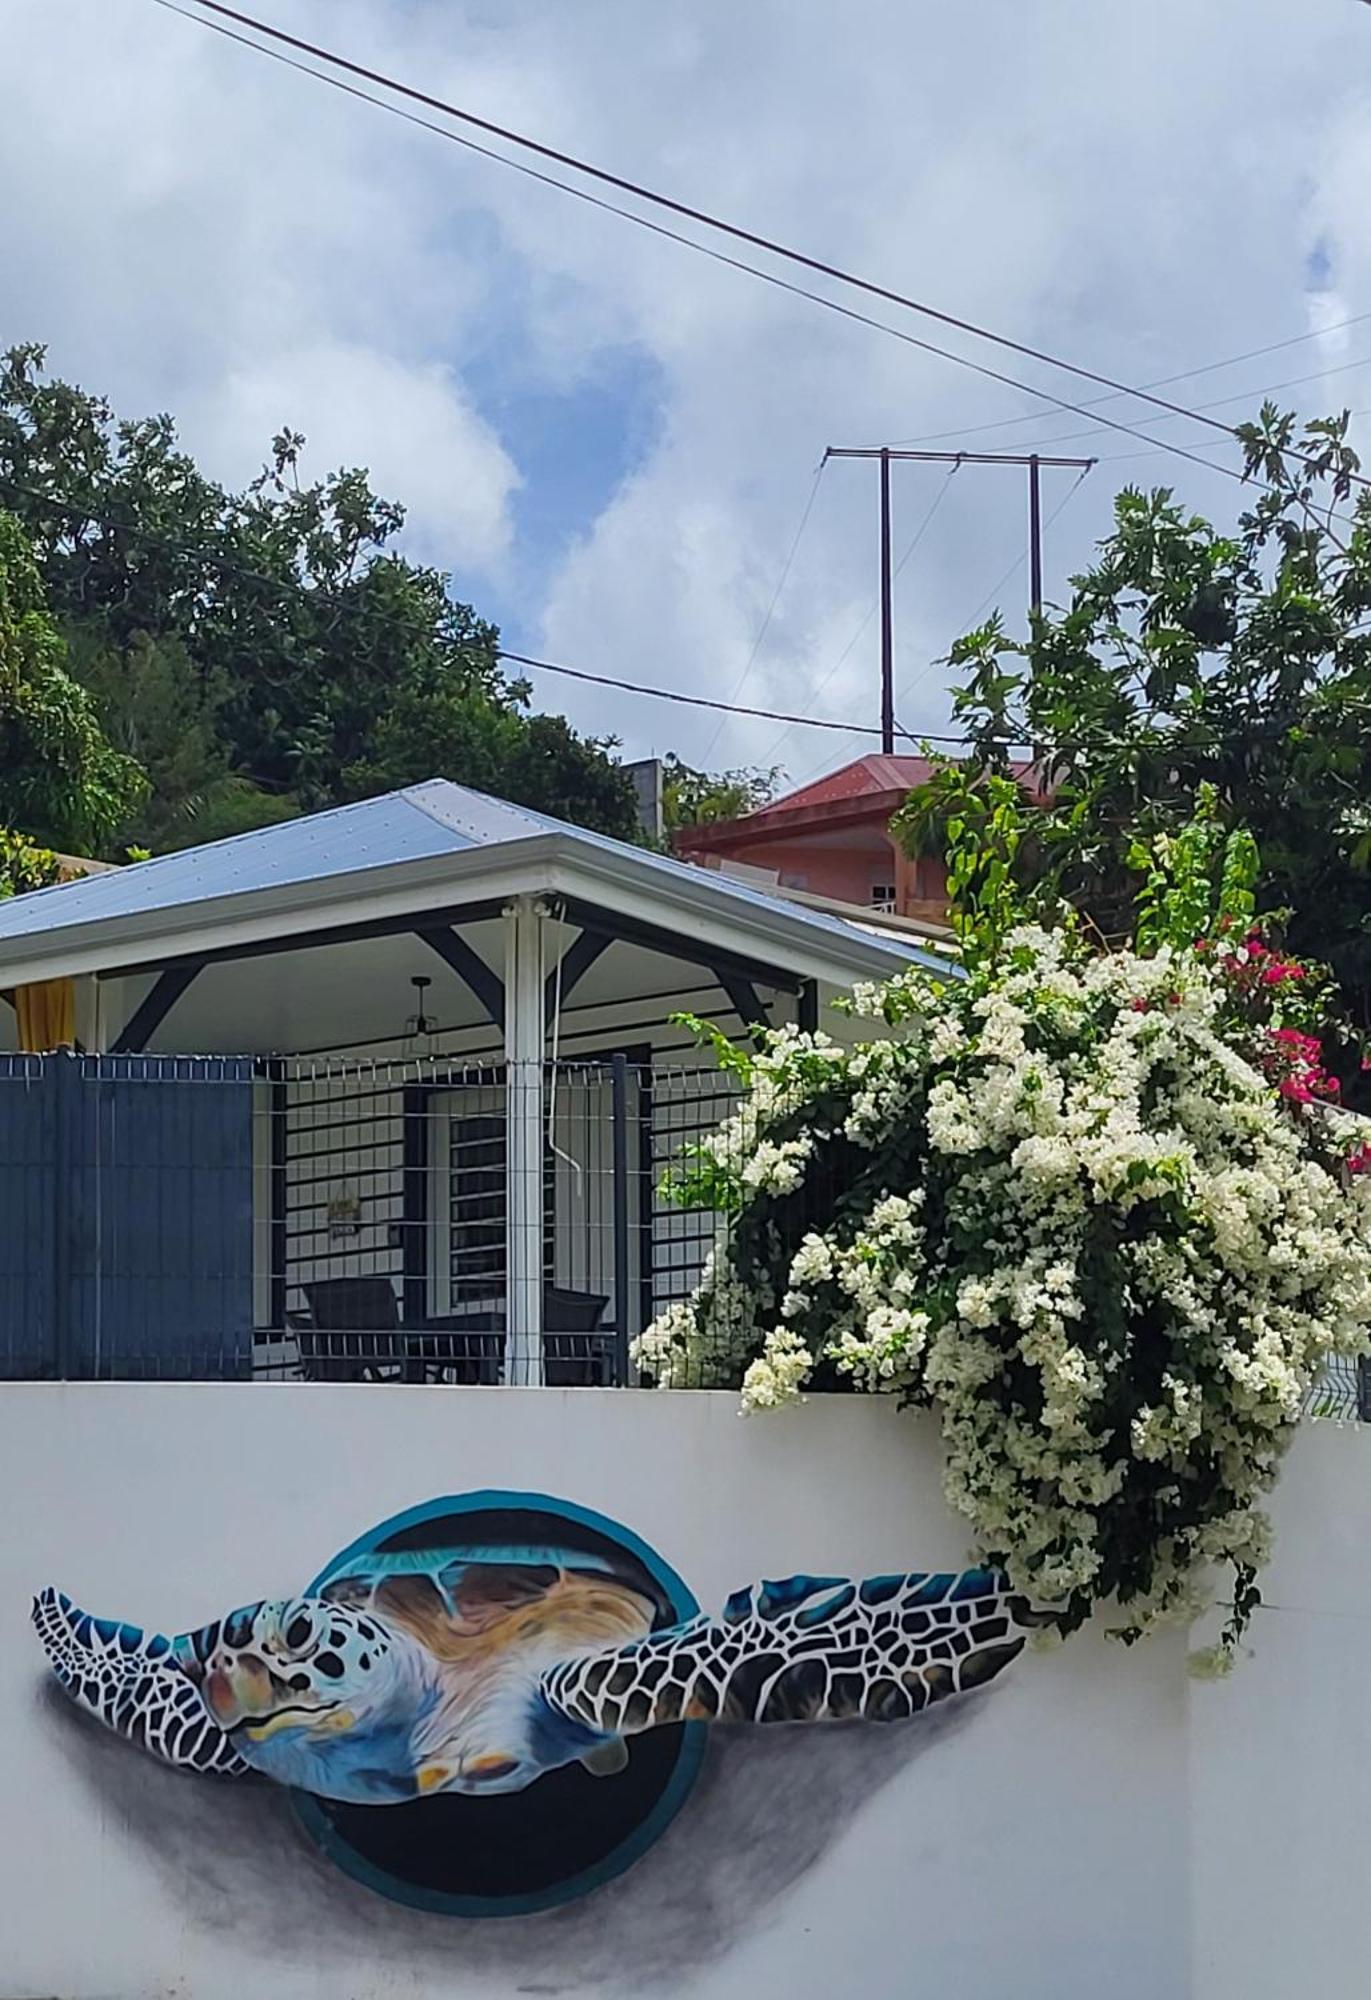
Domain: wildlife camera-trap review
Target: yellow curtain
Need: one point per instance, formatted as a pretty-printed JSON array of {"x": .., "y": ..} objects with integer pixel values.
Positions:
[{"x": 47, "y": 1014}]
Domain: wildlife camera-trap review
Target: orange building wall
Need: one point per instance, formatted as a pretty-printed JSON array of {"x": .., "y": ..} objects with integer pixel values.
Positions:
[{"x": 850, "y": 872}]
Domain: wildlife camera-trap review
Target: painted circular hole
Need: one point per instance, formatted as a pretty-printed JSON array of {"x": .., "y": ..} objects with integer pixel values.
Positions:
[{"x": 566, "y": 1833}]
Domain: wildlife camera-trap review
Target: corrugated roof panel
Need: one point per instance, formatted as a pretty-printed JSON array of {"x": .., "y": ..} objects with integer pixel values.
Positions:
[
  {"x": 431, "y": 819},
  {"x": 871, "y": 774},
  {"x": 477, "y": 819},
  {"x": 730, "y": 890},
  {"x": 340, "y": 842}
]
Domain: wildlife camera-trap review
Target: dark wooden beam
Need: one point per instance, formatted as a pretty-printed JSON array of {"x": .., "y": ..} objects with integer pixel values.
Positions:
[
  {"x": 675, "y": 944},
  {"x": 743, "y": 998},
  {"x": 487, "y": 986},
  {"x": 576, "y": 961},
  {"x": 679, "y": 944},
  {"x": 409, "y": 924},
  {"x": 153, "y": 1009},
  {"x": 809, "y": 1007}
]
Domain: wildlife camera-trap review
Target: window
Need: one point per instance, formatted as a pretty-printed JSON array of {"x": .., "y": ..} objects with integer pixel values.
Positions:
[
  {"x": 476, "y": 1195},
  {"x": 883, "y": 895},
  {"x": 476, "y": 1209}
]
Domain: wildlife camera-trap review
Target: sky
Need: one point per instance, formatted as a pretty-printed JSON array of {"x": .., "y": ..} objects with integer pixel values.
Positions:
[{"x": 609, "y": 441}]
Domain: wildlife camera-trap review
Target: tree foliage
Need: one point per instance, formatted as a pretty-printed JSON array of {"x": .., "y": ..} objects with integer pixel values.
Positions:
[
  {"x": 700, "y": 798},
  {"x": 24, "y": 866},
  {"x": 269, "y": 651},
  {"x": 61, "y": 781},
  {"x": 1186, "y": 657}
]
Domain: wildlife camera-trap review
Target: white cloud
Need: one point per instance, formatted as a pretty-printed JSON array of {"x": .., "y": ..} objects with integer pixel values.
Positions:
[
  {"x": 1137, "y": 188},
  {"x": 410, "y": 424},
  {"x": 207, "y": 233}
]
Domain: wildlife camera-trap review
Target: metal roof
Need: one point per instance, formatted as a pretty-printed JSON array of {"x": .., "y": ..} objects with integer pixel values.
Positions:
[
  {"x": 871, "y": 776},
  {"x": 342, "y": 850},
  {"x": 393, "y": 828}
]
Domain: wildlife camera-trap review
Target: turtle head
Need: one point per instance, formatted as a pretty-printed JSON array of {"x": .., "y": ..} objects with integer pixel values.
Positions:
[{"x": 311, "y": 1693}]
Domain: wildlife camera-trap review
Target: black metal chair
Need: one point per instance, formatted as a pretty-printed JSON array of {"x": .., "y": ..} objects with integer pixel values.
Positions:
[
  {"x": 460, "y": 1348},
  {"x": 470, "y": 1347},
  {"x": 576, "y": 1355},
  {"x": 352, "y": 1331}
]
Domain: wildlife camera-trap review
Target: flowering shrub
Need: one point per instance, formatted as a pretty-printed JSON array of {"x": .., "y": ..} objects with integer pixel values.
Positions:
[{"x": 1093, "y": 1208}]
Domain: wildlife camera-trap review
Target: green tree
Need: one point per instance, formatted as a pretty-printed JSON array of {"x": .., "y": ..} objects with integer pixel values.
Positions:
[
  {"x": 1189, "y": 657},
  {"x": 699, "y": 798},
  {"x": 62, "y": 783},
  {"x": 321, "y": 664},
  {"x": 24, "y": 866},
  {"x": 156, "y": 709},
  {"x": 535, "y": 760}
]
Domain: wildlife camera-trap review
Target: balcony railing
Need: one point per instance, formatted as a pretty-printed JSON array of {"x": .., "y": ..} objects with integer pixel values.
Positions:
[{"x": 227, "y": 1218}]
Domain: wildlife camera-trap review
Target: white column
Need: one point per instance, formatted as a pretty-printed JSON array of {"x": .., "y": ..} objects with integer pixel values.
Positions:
[{"x": 524, "y": 1036}]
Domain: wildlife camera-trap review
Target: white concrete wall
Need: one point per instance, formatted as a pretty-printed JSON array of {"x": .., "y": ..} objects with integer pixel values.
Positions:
[
  {"x": 1281, "y": 1752},
  {"x": 1093, "y": 1824}
]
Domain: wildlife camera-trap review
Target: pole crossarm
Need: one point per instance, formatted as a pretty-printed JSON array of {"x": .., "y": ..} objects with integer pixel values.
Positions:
[
  {"x": 886, "y": 454},
  {"x": 955, "y": 457}
]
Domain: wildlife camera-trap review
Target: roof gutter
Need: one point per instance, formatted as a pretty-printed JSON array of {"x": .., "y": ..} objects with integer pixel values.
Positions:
[
  {"x": 776, "y": 822},
  {"x": 545, "y": 864}
]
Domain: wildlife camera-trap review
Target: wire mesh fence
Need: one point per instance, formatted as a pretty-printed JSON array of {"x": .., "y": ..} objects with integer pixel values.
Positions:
[
  {"x": 342, "y": 1220},
  {"x": 1342, "y": 1392},
  {"x": 355, "y": 1220}
]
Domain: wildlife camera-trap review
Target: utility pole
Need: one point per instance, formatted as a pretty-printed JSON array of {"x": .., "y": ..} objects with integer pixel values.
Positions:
[
  {"x": 887, "y": 617},
  {"x": 885, "y": 454}
]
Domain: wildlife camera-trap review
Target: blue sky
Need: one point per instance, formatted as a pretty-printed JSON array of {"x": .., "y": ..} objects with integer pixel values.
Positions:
[
  {"x": 575, "y": 445},
  {"x": 609, "y": 442}
]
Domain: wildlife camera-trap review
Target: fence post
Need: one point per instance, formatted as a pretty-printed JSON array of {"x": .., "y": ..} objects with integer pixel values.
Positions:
[
  {"x": 619, "y": 1093},
  {"x": 524, "y": 1036},
  {"x": 72, "y": 1192}
]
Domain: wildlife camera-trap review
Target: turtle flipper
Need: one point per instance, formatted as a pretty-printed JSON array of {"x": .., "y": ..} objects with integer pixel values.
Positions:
[
  {"x": 807, "y": 1649},
  {"x": 133, "y": 1683}
]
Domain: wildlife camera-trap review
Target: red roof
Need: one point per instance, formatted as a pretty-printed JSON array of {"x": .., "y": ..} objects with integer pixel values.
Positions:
[
  {"x": 837, "y": 797},
  {"x": 871, "y": 774}
]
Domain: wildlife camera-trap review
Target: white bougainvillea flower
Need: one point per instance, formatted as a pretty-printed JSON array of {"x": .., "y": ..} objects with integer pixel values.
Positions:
[{"x": 1059, "y": 1204}]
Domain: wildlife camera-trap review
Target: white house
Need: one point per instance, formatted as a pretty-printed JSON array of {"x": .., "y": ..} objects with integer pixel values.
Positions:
[{"x": 408, "y": 1068}]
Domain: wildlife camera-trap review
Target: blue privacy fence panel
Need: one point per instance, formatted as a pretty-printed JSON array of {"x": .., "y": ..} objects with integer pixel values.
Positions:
[
  {"x": 139, "y": 1262},
  {"x": 28, "y": 1327}
]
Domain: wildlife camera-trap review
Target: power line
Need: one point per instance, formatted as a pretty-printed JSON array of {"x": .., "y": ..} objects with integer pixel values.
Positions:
[
  {"x": 1215, "y": 403},
  {"x": 732, "y": 230},
  {"x": 1158, "y": 382},
  {"x": 885, "y": 456},
  {"x": 222, "y": 561},
  {"x": 969, "y": 624},
  {"x": 684, "y": 209},
  {"x": 775, "y": 600},
  {"x": 705, "y": 701},
  {"x": 842, "y": 658},
  {"x": 1159, "y": 451},
  {"x": 553, "y": 666}
]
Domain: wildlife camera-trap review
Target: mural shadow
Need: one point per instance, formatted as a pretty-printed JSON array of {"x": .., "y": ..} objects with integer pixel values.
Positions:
[{"x": 768, "y": 1803}]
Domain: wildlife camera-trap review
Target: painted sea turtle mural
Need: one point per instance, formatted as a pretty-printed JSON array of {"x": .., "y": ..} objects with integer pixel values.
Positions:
[{"x": 431, "y": 1688}]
